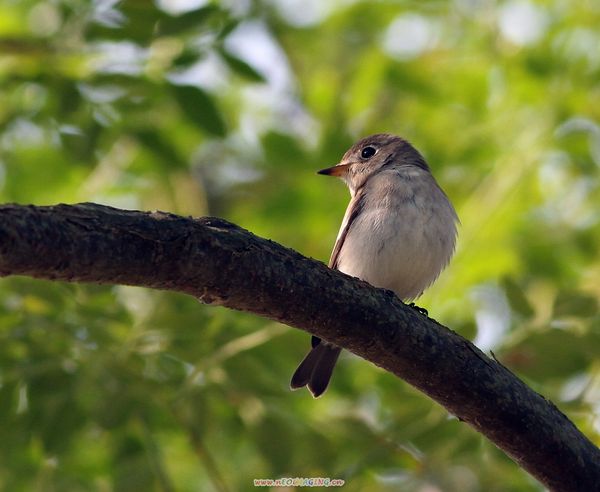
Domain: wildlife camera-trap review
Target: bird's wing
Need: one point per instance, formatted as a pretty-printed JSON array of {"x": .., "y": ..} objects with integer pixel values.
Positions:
[{"x": 354, "y": 208}]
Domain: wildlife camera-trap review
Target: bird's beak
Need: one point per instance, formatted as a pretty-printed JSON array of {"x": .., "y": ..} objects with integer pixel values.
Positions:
[{"x": 338, "y": 170}]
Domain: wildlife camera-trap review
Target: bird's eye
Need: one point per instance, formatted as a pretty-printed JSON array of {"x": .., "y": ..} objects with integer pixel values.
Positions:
[{"x": 367, "y": 152}]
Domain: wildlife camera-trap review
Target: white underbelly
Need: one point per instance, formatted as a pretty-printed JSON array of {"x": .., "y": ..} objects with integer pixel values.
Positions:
[{"x": 403, "y": 252}]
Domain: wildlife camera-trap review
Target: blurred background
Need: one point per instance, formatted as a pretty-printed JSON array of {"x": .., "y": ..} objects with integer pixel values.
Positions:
[{"x": 228, "y": 108}]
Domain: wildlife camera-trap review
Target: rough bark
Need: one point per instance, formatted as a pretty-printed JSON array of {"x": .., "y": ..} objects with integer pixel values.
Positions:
[{"x": 220, "y": 263}]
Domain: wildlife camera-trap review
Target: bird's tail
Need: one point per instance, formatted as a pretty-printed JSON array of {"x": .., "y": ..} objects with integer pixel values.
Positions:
[{"x": 316, "y": 368}]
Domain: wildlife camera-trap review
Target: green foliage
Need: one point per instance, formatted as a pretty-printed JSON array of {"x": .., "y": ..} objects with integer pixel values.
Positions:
[{"x": 229, "y": 109}]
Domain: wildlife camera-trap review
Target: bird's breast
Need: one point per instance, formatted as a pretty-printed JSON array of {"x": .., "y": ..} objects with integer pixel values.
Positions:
[{"x": 402, "y": 239}]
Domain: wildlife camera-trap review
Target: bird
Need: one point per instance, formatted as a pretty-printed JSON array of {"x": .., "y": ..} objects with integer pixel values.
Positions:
[{"x": 398, "y": 233}]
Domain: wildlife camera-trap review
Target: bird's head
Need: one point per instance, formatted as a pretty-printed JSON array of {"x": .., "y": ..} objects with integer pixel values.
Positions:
[{"x": 372, "y": 155}]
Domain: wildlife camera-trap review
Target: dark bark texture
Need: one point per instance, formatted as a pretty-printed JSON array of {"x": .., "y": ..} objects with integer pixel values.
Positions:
[{"x": 220, "y": 263}]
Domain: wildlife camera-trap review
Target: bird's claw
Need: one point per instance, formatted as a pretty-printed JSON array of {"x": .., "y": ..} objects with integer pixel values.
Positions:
[{"x": 419, "y": 309}]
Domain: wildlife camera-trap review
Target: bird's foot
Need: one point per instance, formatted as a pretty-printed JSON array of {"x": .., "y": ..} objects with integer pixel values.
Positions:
[{"x": 419, "y": 309}]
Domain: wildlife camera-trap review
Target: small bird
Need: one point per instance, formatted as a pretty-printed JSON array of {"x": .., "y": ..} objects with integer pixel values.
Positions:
[{"x": 398, "y": 233}]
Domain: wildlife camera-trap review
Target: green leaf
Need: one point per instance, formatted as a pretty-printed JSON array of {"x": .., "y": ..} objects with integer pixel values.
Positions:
[
  {"x": 229, "y": 26},
  {"x": 242, "y": 68},
  {"x": 173, "y": 25},
  {"x": 516, "y": 298},
  {"x": 200, "y": 109},
  {"x": 163, "y": 149},
  {"x": 186, "y": 58},
  {"x": 575, "y": 304}
]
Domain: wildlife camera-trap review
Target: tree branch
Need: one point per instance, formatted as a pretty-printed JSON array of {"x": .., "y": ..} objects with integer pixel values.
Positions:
[{"x": 221, "y": 263}]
